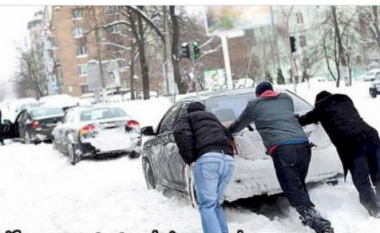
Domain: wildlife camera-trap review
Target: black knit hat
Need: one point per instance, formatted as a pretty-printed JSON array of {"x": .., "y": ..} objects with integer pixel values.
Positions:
[
  {"x": 195, "y": 106},
  {"x": 262, "y": 87},
  {"x": 321, "y": 95}
]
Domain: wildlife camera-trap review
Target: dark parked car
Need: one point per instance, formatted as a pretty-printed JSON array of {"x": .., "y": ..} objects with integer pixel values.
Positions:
[
  {"x": 37, "y": 122},
  {"x": 97, "y": 132},
  {"x": 254, "y": 172}
]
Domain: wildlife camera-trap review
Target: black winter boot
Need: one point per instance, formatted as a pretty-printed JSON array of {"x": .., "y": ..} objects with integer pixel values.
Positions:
[{"x": 310, "y": 217}]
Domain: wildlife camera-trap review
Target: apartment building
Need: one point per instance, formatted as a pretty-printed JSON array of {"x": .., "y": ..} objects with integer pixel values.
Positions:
[{"x": 80, "y": 38}]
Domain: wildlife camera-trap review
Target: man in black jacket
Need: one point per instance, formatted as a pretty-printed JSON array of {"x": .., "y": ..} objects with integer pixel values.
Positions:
[
  {"x": 357, "y": 143},
  {"x": 204, "y": 144}
]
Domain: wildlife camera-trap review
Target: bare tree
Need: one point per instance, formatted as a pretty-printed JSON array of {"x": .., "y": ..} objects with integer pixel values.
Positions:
[{"x": 28, "y": 79}]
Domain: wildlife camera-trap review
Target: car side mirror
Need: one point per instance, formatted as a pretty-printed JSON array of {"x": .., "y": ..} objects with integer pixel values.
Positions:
[{"x": 148, "y": 131}]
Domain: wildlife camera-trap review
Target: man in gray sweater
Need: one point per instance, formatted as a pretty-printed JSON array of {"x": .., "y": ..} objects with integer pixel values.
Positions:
[{"x": 287, "y": 143}]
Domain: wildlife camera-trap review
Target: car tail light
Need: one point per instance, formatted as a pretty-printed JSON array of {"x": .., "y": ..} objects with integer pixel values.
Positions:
[
  {"x": 132, "y": 124},
  {"x": 86, "y": 129},
  {"x": 35, "y": 124}
]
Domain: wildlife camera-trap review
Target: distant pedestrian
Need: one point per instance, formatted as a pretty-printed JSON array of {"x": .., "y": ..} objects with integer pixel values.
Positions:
[
  {"x": 357, "y": 143},
  {"x": 287, "y": 143},
  {"x": 204, "y": 144}
]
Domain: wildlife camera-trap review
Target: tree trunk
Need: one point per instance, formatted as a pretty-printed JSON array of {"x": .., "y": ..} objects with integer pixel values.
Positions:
[
  {"x": 175, "y": 51},
  {"x": 138, "y": 33},
  {"x": 376, "y": 24},
  {"x": 341, "y": 52},
  {"x": 132, "y": 71}
]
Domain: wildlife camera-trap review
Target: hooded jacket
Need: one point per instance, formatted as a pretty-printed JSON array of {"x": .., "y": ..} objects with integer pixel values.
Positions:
[
  {"x": 342, "y": 123},
  {"x": 273, "y": 115},
  {"x": 200, "y": 132}
]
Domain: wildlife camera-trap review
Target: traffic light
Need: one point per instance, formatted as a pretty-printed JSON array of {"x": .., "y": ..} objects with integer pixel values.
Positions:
[
  {"x": 185, "y": 50},
  {"x": 197, "y": 52},
  {"x": 293, "y": 44}
]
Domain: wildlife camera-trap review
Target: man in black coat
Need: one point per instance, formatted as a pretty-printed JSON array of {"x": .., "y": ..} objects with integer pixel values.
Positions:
[
  {"x": 204, "y": 144},
  {"x": 357, "y": 143}
]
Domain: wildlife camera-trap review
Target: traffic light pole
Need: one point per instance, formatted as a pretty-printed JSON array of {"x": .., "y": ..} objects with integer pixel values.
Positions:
[{"x": 192, "y": 59}]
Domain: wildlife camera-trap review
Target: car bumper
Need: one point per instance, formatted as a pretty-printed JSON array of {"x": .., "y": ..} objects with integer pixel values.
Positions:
[
  {"x": 42, "y": 133},
  {"x": 258, "y": 177},
  {"x": 108, "y": 144}
]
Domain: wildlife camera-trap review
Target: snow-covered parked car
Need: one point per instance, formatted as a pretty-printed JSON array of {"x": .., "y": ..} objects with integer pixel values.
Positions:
[
  {"x": 97, "y": 132},
  {"x": 254, "y": 171},
  {"x": 371, "y": 75},
  {"x": 62, "y": 100}
]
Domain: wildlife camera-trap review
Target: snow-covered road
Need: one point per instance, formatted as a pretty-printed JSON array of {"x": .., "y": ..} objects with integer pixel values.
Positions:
[{"x": 40, "y": 192}]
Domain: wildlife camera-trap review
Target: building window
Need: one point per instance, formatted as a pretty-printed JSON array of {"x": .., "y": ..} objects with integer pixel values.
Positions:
[
  {"x": 77, "y": 14},
  {"x": 303, "y": 41},
  {"x": 84, "y": 89},
  {"x": 77, "y": 32},
  {"x": 299, "y": 18},
  {"x": 112, "y": 10},
  {"x": 116, "y": 29},
  {"x": 82, "y": 51},
  {"x": 82, "y": 70}
]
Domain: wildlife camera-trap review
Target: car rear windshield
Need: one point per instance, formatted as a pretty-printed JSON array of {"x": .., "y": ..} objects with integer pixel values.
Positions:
[
  {"x": 46, "y": 112},
  {"x": 101, "y": 114},
  {"x": 228, "y": 108}
]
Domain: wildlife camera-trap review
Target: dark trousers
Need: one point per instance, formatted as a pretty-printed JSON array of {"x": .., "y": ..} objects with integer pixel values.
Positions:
[
  {"x": 292, "y": 164},
  {"x": 365, "y": 172}
]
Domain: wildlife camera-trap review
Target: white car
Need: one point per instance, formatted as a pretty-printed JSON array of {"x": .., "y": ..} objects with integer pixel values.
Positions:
[
  {"x": 371, "y": 75},
  {"x": 254, "y": 171},
  {"x": 88, "y": 132}
]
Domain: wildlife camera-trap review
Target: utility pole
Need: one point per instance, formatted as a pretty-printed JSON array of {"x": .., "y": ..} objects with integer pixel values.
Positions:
[
  {"x": 227, "y": 64},
  {"x": 192, "y": 59}
]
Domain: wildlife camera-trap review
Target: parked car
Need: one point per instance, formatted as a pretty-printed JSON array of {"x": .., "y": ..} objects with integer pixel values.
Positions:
[
  {"x": 371, "y": 75},
  {"x": 374, "y": 89},
  {"x": 97, "y": 132},
  {"x": 33, "y": 123},
  {"x": 62, "y": 100},
  {"x": 254, "y": 171}
]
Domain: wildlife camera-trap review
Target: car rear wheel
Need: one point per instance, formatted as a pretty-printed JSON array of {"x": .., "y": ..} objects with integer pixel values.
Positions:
[
  {"x": 373, "y": 95},
  {"x": 149, "y": 177},
  {"x": 73, "y": 155}
]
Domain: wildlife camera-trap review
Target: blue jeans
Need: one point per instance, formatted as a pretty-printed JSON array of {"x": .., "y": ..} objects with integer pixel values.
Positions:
[{"x": 212, "y": 173}]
